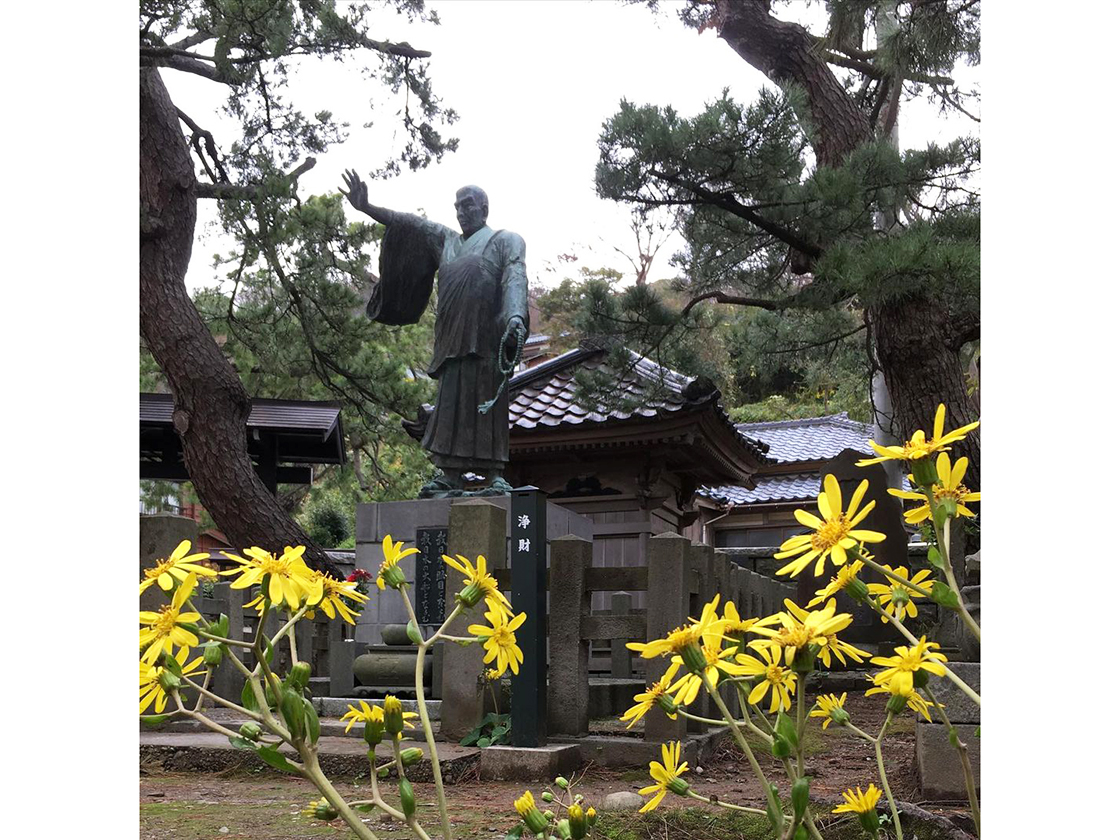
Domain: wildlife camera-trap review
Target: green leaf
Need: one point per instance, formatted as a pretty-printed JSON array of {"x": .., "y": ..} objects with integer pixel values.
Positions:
[
  {"x": 312, "y": 721},
  {"x": 943, "y": 595},
  {"x": 365, "y": 809},
  {"x": 934, "y": 557},
  {"x": 248, "y": 699},
  {"x": 272, "y": 757},
  {"x": 242, "y": 743},
  {"x": 787, "y": 728},
  {"x": 153, "y": 720},
  {"x": 515, "y": 832},
  {"x": 483, "y": 742},
  {"x": 269, "y": 652}
]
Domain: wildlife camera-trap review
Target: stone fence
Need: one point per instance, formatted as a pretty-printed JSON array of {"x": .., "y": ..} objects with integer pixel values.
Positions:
[{"x": 679, "y": 578}]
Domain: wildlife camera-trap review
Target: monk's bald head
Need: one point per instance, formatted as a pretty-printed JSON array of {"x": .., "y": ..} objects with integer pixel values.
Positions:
[{"x": 472, "y": 206}]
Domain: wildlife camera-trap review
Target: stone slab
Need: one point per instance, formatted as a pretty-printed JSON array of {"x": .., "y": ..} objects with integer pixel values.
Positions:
[
  {"x": 939, "y": 766},
  {"x": 621, "y": 751},
  {"x": 958, "y": 707},
  {"x": 524, "y": 764}
]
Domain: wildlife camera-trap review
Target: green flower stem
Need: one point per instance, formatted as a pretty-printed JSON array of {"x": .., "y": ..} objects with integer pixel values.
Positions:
[
  {"x": 378, "y": 800},
  {"x": 412, "y": 822},
  {"x": 221, "y": 701},
  {"x": 422, "y": 707},
  {"x": 878, "y": 742},
  {"x": 224, "y": 640},
  {"x": 887, "y": 573},
  {"x": 291, "y": 622},
  {"x": 245, "y": 672},
  {"x": 312, "y": 771},
  {"x": 801, "y": 724},
  {"x": 205, "y": 685},
  {"x": 201, "y": 718},
  {"x": 447, "y": 638},
  {"x": 709, "y": 721},
  {"x": 962, "y": 751},
  {"x": 254, "y": 682},
  {"x": 746, "y": 748},
  {"x": 720, "y": 803},
  {"x": 859, "y": 732},
  {"x": 951, "y": 579},
  {"x": 910, "y": 637},
  {"x": 292, "y": 645},
  {"x": 767, "y": 736}
]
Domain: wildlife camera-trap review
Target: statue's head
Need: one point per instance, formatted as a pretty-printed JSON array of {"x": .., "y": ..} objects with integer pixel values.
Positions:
[{"x": 471, "y": 208}]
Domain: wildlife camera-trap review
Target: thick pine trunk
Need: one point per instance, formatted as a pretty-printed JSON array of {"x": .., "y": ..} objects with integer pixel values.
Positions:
[
  {"x": 917, "y": 340},
  {"x": 211, "y": 404}
]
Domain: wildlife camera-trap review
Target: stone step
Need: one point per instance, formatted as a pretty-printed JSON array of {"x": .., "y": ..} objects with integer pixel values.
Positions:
[{"x": 339, "y": 757}]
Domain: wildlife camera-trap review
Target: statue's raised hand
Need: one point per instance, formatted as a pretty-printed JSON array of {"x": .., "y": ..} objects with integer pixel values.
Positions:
[{"x": 355, "y": 189}]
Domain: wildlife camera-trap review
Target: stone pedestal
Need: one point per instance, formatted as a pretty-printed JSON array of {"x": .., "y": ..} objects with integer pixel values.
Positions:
[
  {"x": 568, "y": 652},
  {"x": 475, "y": 526},
  {"x": 666, "y": 610},
  {"x": 525, "y": 764},
  {"x": 159, "y": 535},
  {"x": 940, "y": 774}
]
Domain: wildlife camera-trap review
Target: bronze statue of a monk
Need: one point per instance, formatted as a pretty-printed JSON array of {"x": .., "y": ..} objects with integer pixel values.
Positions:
[{"x": 482, "y": 317}]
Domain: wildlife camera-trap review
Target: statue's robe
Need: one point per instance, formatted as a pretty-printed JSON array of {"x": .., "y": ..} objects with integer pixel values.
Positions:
[{"x": 482, "y": 286}]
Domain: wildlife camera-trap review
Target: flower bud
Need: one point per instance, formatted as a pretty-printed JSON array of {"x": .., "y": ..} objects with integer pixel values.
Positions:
[
  {"x": 838, "y": 715},
  {"x": 805, "y": 660},
  {"x": 212, "y": 656},
  {"x": 577, "y": 822},
  {"x": 799, "y": 796},
  {"x": 921, "y": 678},
  {"x": 299, "y": 676},
  {"x": 250, "y": 730},
  {"x": 896, "y": 704},
  {"x": 869, "y": 821},
  {"x": 411, "y": 756},
  {"x": 169, "y": 681},
  {"x": 547, "y": 797},
  {"x": 856, "y": 589},
  {"x": 924, "y": 471},
  {"x": 694, "y": 659},
  {"x": 549, "y": 815},
  {"x": 564, "y": 829},
  {"x": 325, "y": 811},
  {"x": 394, "y": 716},
  {"x": 591, "y": 817},
  {"x": 529, "y": 812},
  {"x": 561, "y": 782},
  {"x": 374, "y": 732},
  {"x": 470, "y": 595},
  {"x": 666, "y": 704},
  {"x": 408, "y": 798},
  {"x": 678, "y": 786},
  {"x": 394, "y": 577},
  {"x": 780, "y": 747}
]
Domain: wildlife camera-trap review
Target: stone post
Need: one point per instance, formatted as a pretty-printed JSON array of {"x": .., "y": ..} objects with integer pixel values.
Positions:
[
  {"x": 701, "y": 558},
  {"x": 475, "y": 527},
  {"x": 159, "y": 535},
  {"x": 228, "y": 681},
  {"x": 666, "y": 610},
  {"x": 569, "y": 602},
  {"x": 621, "y": 667}
]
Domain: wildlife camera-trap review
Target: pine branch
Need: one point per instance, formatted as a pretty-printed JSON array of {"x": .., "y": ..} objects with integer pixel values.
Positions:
[{"x": 249, "y": 192}]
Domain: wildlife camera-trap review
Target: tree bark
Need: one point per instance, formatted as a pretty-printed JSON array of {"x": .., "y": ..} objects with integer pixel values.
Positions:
[
  {"x": 917, "y": 340},
  {"x": 211, "y": 404}
]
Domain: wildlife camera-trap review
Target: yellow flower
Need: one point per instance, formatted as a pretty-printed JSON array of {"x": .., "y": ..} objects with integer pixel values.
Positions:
[
  {"x": 176, "y": 568},
  {"x": 859, "y": 802},
  {"x": 151, "y": 690},
  {"x": 948, "y": 486},
  {"x": 365, "y": 714},
  {"x": 682, "y": 637},
  {"x": 289, "y": 577},
  {"x": 833, "y": 534},
  {"x": 493, "y": 674},
  {"x": 334, "y": 591},
  {"x": 734, "y": 625},
  {"x": 918, "y": 447},
  {"x": 478, "y": 583},
  {"x": 833, "y": 645},
  {"x": 666, "y": 775},
  {"x": 829, "y": 707},
  {"x": 898, "y": 600},
  {"x": 499, "y": 641},
  {"x": 527, "y": 807},
  {"x": 320, "y": 809},
  {"x": 715, "y": 659},
  {"x": 914, "y": 700},
  {"x": 776, "y": 679},
  {"x": 390, "y": 573},
  {"x": 841, "y": 579},
  {"x": 900, "y": 669},
  {"x": 800, "y": 629},
  {"x": 652, "y": 696},
  {"x": 162, "y": 630}
]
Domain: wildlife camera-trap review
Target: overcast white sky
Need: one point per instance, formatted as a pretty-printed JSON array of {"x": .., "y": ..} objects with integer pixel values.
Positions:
[{"x": 533, "y": 82}]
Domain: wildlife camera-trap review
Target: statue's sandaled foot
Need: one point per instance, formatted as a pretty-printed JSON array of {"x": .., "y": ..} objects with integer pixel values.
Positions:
[
  {"x": 498, "y": 487},
  {"x": 439, "y": 488}
]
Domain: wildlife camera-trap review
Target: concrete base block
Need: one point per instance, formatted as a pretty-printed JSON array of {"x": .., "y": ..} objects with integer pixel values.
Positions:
[
  {"x": 939, "y": 766},
  {"x": 621, "y": 751},
  {"x": 529, "y": 763}
]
